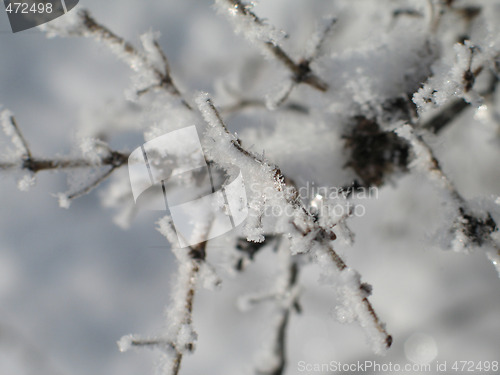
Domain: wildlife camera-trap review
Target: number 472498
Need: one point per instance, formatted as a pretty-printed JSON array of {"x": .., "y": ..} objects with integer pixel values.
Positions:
[
  {"x": 26, "y": 8},
  {"x": 471, "y": 366}
]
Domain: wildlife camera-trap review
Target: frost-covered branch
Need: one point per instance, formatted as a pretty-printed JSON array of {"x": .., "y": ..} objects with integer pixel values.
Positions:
[
  {"x": 257, "y": 31},
  {"x": 455, "y": 108},
  {"x": 152, "y": 64},
  {"x": 273, "y": 356},
  {"x": 470, "y": 228},
  {"x": 11, "y": 129},
  {"x": 24, "y": 160},
  {"x": 306, "y": 235},
  {"x": 180, "y": 336},
  {"x": 35, "y": 164}
]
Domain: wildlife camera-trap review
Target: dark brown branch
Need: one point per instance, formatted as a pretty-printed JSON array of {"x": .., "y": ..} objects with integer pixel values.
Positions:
[{"x": 33, "y": 164}]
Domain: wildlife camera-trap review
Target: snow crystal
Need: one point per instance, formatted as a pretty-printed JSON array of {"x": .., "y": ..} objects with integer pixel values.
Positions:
[
  {"x": 26, "y": 182},
  {"x": 186, "y": 337},
  {"x": 64, "y": 201},
  {"x": 300, "y": 244},
  {"x": 93, "y": 150},
  {"x": 125, "y": 343}
]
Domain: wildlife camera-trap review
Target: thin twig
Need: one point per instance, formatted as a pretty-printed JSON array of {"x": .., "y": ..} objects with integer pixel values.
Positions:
[
  {"x": 243, "y": 104},
  {"x": 87, "y": 189},
  {"x": 445, "y": 116},
  {"x": 20, "y": 135},
  {"x": 301, "y": 71},
  {"x": 151, "y": 343},
  {"x": 322, "y": 40},
  {"x": 279, "y": 346},
  {"x": 102, "y": 33}
]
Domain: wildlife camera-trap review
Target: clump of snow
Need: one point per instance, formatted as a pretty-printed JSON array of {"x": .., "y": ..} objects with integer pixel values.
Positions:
[
  {"x": 93, "y": 150},
  {"x": 455, "y": 78},
  {"x": 186, "y": 337},
  {"x": 125, "y": 343},
  {"x": 26, "y": 182},
  {"x": 209, "y": 277},
  {"x": 63, "y": 199},
  {"x": 70, "y": 25}
]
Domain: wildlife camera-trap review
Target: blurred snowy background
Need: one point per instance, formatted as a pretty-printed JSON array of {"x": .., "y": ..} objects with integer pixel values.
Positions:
[{"x": 72, "y": 282}]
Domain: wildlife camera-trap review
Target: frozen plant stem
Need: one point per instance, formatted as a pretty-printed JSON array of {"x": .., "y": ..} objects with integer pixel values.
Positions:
[
  {"x": 103, "y": 34},
  {"x": 180, "y": 315},
  {"x": 32, "y": 164},
  {"x": 272, "y": 360},
  {"x": 20, "y": 136},
  {"x": 474, "y": 229},
  {"x": 301, "y": 71},
  {"x": 188, "y": 316},
  {"x": 364, "y": 311},
  {"x": 35, "y": 165}
]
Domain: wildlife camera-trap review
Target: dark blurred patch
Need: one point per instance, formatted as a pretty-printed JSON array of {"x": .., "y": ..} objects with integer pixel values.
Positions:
[{"x": 374, "y": 153}]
